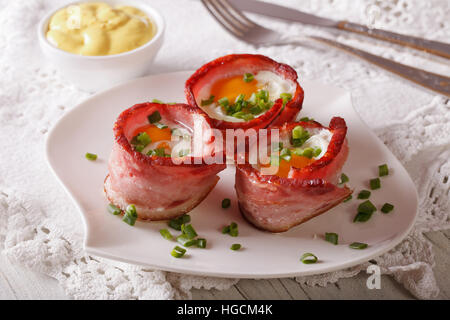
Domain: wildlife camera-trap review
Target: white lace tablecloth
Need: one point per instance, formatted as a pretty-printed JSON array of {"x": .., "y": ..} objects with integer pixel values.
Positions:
[{"x": 41, "y": 228}]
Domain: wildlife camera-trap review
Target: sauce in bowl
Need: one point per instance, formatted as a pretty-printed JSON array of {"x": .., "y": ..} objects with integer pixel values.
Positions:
[{"x": 97, "y": 29}]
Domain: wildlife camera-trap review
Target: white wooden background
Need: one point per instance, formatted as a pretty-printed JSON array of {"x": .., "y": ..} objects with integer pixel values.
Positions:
[{"x": 17, "y": 282}]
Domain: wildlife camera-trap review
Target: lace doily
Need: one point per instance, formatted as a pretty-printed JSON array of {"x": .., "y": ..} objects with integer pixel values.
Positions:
[{"x": 41, "y": 228}]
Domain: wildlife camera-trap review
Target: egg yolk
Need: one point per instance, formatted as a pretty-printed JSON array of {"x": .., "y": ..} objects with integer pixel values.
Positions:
[
  {"x": 232, "y": 87},
  {"x": 155, "y": 133},
  {"x": 295, "y": 161}
]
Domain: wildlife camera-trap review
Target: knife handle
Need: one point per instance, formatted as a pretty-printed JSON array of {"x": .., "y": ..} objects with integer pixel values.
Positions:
[
  {"x": 432, "y": 81},
  {"x": 435, "y": 47}
]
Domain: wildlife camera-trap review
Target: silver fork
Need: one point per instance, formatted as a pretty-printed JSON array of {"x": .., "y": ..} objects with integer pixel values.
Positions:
[{"x": 236, "y": 23}]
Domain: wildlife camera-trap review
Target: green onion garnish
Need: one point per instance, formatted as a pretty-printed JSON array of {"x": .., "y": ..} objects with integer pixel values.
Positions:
[
  {"x": 344, "y": 179},
  {"x": 387, "y": 207},
  {"x": 91, "y": 156},
  {"x": 332, "y": 237},
  {"x": 201, "y": 243},
  {"x": 232, "y": 229},
  {"x": 226, "y": 203},
  {"x": 160, "y": 125},
  {"x": 299, "y": 136},
  {"x": 248, "y": 77},
  {"x": 362, "y": 217},
  {"x": 166, "y": 234},
  {"x": 367, "y": 207},
  {"x": 358, "y": 245},
  {"x": 157, "y": 101},
  {"x": 130, "y": 215},
  {"x": 234, "y": 232},
  {"x": 308, "y": 152},
  {"x": 177, "y": 222},
  {"x": 184, "y": 153},
  {"x": 375, "y": 184},
  {"x": 308, "y": 258},
  {"x": 154, "y": 117},
  {"x": 235, "y": 246},
  {"x": 348, "y": 198},
  {"x": 365, "y": 211},
  {"x": 140, "y": 141},
  {"x": 364, "y": 194},
  {"x": 317, "y": 151},
  {"x": 286, "y": 97},
  {"x": 185, "y": 241},
  {"x": 285, "y": 154},
  {"x": 207, "y": 102},
  {"x": 383, "y": 170},
  {"x": 189, "y": 231},
  {"x": 224, "y": 102},
  {"x": 178, "y": 252},
  {"x": 113, "y": 209},
  {"x": 306, "y": 119}
]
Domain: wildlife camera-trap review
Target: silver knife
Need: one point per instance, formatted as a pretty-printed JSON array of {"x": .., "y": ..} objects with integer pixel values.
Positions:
[{"x": 273, "y": 10}]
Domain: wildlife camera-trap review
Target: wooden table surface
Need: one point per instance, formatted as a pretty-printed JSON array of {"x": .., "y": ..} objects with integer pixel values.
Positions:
[{"x": 19, "y": 283}]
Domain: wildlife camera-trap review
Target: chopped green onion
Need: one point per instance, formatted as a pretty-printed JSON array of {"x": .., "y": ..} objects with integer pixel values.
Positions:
[
  {"x": 299, "y": 136},
  {"x": 365, "y": 211},
  {"x": 160, "y": 125},
  {"x": 306, "y": 119},
  {"x": 130, "y": 215},
  {"x": 91, "y": 156},
  {"x": 154, "y": 117},
  {"x": 344, "y": 179},
  {"x": 362, "y": 217},
  {"x": 226, "y": 230},
  {"x": 308, "y": 153},
  {"x": 143, "y": 138},
  {"x": 185, "y": 241},
  {"x": 383, "y": 170},
  {"x": 139, "y": 148},
  {"x": 235, "y": 246},
  {"x": 234, "y": 232},
  {"x": 308, "y": 258},
  {"x": 317, "y": 151},
  {"x": 348, "y": 198},
  {"x": 331, "y": 237},
  {"x": 157, "y": 101},
  {"x": 286, "y": 97},
  {"x": 224, "y": 102},
  {"x": 226, "y": 203},
  {"x": 387, "y": 207},
  {"x": 177, "y": 222},
  {"x": 248, "y": 77},
  {"x": 207, "y": 102},
  {"x": 375, "y": 184},
  {"x": 113, "y": 209},
  {"x": 364, "y": 194},
  {"x": 285, "y": 154},
  {"x": 358, "y": 245},
  {"x": 166, "y": 234},
  {"x": 298, "y": 132},
  {"x": 201, "y": 243},
  {"x": 239, "y": 98},
  {"x": 178, "y": 252},
  {"x": 367, "y": 207},
  {"x": 189, "y": 231},
  {"x": 255, "y": 110},
  {"x": 184, "y": 153}
]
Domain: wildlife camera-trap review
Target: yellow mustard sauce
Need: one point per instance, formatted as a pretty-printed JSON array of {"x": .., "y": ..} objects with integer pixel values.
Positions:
[{"x": 97, "y": 29}]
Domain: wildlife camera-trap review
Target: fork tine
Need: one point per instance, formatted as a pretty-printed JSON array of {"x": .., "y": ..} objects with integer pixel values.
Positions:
[
  {"x": 222, "y": 19},
  {"x": 238, "y": 13},
  {"x": 238, "y": 22}
]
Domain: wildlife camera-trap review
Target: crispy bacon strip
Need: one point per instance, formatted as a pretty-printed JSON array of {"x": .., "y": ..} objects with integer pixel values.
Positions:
[
  {"x": 277, "y": 204},
  {"x": 159, "y": 188},
  {"x": 238, "y": 64}
]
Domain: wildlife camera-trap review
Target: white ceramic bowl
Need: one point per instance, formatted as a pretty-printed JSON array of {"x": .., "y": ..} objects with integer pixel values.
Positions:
[{"x": 94, "y": 73}]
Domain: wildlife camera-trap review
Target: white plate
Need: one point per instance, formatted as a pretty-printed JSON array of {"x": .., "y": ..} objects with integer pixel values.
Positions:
[{"x": 88, "y": 128}]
